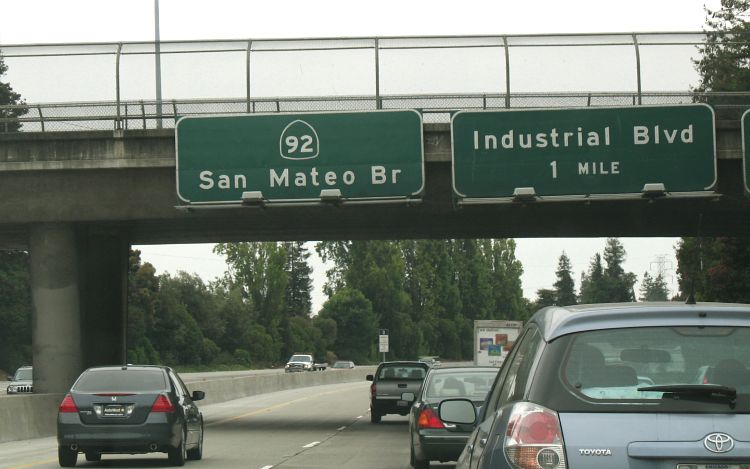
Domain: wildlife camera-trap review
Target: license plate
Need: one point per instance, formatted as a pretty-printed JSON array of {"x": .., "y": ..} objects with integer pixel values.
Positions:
[
  {"x": 713, "y": 466},
  {"x": 402, "y": 403},
  {"x": 114, "y": 411}
]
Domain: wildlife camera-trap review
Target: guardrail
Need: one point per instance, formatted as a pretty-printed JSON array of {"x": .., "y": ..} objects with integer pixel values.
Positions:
[{"x": 143, "y": 114}]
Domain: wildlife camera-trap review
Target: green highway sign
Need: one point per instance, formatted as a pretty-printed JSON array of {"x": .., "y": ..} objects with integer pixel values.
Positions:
[
  {"x": 583, "y": 151},
  {"x": 293, "y": 157},
  {"x": 746, "y": 149}
]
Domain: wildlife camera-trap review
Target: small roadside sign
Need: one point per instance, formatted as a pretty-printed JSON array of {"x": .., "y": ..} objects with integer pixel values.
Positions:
[
  {"x": 383, "y": 344},
  {"x": 383, "y": 341}
]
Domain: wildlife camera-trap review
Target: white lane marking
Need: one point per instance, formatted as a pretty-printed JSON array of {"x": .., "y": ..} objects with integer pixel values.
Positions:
[
  {"x": 341, "y": 428},
  {"x": 310, "y": 445},
  {"x": 266, "y": 467},
  {"x": 360, "y": 416}
]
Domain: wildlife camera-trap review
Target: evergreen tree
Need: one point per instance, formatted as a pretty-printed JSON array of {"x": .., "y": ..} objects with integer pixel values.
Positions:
[
  {"x": 9, "y": 116},
  {"x": 298, "y": 292},
  {"x": 544, "y": 297},
  {"x": 15, "y": 310},
  {"x": 143, "y": 288},
  {"x": 564, "y": 285},
  {"x": 653, "y": 288},
  {"x": 592, "y": 282},
  {"x": 610, "y": 284},
  {"x": 725, "y": 53},
  {"x": 716, "y": 269},
  {"x": 618, "y": 283}
]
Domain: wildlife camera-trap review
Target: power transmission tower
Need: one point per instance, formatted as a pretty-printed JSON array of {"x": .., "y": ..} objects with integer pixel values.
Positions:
[{"x": 663, "y": 267}]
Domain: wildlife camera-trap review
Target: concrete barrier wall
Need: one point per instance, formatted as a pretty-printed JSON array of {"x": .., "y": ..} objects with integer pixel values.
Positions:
[
  {"x": 28, "y": 416},
  {"x": 33, "y": 416},
  {"x": 221, "y": 390}
]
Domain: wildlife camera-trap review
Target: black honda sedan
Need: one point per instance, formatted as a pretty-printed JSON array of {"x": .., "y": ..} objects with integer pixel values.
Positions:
[
  {"x": 132, "y": 410},
  {"x": 431, "y": 438}
]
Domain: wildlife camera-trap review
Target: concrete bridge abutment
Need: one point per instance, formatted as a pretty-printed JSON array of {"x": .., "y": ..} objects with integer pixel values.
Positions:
[{"x": 78, "y": 291}]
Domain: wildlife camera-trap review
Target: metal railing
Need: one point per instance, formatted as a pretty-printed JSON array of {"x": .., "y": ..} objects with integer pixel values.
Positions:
[
  {"x": 518, "y": 71},
  {"x": 131, "y": 115}
]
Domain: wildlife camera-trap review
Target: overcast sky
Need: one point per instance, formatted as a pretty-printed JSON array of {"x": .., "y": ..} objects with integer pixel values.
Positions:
[{"x": 44, "y": 21}]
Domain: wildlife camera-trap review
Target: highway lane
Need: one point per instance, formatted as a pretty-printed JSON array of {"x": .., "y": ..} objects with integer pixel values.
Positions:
[{"x": 309, "y": 428}]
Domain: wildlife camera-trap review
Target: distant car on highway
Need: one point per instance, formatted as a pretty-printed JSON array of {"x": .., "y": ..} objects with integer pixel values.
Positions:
[
  {"x": 22, "y": 382},
  {"x": 431, "y": 438},
  {"x": 129, "y": 410},
  {"x": 431, "y": 361},
  {"x": 303, "y": 362},
  {"x": 343, "y": 365},
  {"x": 652, "y": 385},
  {"x": 391, "y": 384}
]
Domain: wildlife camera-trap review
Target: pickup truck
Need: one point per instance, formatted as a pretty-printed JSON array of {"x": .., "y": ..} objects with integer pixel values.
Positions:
[
  {"x": 394, "y": 387},
  {"x": 303, "y": 362}
]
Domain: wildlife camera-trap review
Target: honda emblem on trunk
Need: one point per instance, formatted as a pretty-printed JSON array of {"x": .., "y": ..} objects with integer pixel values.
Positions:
[
  {"x": 114, "y": 398},
  {"x": 718, "y": 443}
]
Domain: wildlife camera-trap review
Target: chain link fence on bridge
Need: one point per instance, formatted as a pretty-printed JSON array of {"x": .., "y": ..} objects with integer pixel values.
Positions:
[{"x": 108, "y": 86}]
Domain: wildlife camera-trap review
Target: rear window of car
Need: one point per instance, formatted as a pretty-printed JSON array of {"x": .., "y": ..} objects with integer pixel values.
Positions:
[
  {"x": 300, "y": 358},
  {"x": 93, "y": 381},
  {"x": 402, "y": 372},
  {"x": 611, "y": 365},
  {"x": 473, "y": 385}
]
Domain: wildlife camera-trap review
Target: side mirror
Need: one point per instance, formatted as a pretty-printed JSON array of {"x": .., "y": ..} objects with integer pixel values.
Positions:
[
  {"x": 198, "y": 395},
  {"x": 369, "y": 377},
  {"x": 408, "y": 396},
  {"x": 457, "y": 412}
]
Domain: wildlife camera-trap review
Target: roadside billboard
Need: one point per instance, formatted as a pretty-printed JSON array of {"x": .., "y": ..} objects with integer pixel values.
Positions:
[{"x": 493, "y": 339}]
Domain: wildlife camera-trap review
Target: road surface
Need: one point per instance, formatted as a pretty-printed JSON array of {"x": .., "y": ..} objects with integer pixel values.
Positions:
[{"x": 309, "y": 428}]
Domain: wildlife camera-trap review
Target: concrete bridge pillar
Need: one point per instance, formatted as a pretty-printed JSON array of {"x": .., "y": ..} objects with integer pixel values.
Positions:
[
  {"x": 56, "y": 319},
  {"x": 78, "y": 288}
]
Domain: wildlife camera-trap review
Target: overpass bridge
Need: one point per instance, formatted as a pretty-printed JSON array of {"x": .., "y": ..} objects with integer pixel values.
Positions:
[{"x": 77, "y": 199}]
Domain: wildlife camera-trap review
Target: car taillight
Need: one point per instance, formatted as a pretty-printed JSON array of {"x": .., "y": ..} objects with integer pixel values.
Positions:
[
  {"x": 373, "y": 390},
  {"x": 68, "y": 405},
  {"x": 428, "y": 419},
  {"x": 533, "y": 439},
  {"x": 162, "y": 404}
]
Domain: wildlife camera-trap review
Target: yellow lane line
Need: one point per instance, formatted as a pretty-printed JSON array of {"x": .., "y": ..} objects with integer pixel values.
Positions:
[{"x": 32, "y": 464}]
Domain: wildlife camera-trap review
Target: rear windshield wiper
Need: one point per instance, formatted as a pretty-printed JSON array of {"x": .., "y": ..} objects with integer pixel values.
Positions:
[{"x": 688, "y": 390}]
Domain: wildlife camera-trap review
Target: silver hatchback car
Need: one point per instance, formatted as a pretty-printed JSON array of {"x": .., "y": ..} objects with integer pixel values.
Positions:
[{"x": 618, "y": 386}]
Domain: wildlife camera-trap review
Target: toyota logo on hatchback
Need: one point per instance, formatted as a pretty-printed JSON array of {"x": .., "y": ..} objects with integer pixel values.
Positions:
[{"x": 718, "y": 443}]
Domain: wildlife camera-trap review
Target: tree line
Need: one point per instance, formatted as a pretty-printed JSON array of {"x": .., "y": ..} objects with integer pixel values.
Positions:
[{"x": 427, "y": 293}]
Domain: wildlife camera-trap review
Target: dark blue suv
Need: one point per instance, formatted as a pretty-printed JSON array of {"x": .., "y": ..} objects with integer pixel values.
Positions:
[{"x": 618, "y": 386}]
